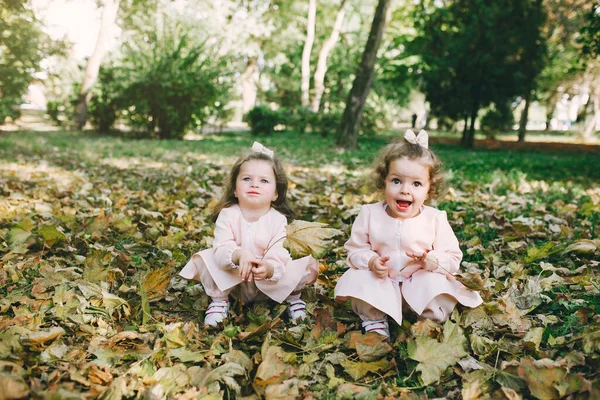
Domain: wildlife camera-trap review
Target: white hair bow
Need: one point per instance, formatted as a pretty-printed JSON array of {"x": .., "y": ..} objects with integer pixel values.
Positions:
[
  {"x": 422, "y": 139},
  {"x": 259, "y": 148}
]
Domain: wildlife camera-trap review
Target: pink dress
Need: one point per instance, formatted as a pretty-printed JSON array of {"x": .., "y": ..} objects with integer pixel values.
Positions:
[
  {"x": 376, "y": 233},
  {"x": 233, "y": 232}
]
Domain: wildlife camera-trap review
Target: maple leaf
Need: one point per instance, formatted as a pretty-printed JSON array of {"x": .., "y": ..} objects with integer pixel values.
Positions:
[
  {"x": 305, "y": 238},
  {"x": 434, "y": 357},
  {"x": 359, "y": 369}
]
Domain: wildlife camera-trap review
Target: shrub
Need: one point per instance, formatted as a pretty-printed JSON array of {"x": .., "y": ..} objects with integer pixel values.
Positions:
[
  {"x": 107, "y": 100},
  {"x": 326, "y": 123},
  {"x": 499, "y": 118},
  {"x": 262, "y": 120}
]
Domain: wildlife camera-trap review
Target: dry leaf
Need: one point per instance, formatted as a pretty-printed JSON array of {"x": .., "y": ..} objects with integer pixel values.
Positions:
[{"x": 305, "y": 238}]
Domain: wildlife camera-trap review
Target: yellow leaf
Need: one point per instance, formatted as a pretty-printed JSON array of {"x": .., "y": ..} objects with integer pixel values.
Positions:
[
  {"x": 584, "y": 246},
  {"x": 12, "y": 387},
  {"x": 435, "y": 357},
  {"x": 156, "y": 282},
  {"x": 41, "y": 337},
  {"x": 359, "y": 369},
  {"x": 372, "y": 346},
  {"x": 305, "y": 238},
  {"x": 273, "y": 369}
]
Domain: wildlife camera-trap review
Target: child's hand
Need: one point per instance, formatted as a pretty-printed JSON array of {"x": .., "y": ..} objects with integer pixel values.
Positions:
[
  {"x": 422, "y": 262},
  {"x": 244, "y": 258},
  {"x": 261, "y": 270},
  {"x": 378, "y": 267}
]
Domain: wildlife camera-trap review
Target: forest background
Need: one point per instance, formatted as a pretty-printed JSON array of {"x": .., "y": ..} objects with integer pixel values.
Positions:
[{"x": 97, "y": 217}]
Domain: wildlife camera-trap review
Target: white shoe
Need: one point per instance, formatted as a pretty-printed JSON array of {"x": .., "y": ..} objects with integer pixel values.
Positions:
[
  {"x": 216, "y": 312},
  {"x": 381, "y": 327},
  {"x": 296, "y": 309}
]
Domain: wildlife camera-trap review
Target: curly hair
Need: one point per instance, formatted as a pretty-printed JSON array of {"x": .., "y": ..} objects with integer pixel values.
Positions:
[
  {"x": 228, "y": 198},
  {"x": 401, "y": 149}
]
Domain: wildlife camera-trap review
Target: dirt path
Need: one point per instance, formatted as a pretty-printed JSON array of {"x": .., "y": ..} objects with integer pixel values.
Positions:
[{"x": 505, "y": 144}]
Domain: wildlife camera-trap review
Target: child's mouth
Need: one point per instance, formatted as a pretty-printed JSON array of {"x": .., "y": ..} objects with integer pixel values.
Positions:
[{"x": 402, "y": 205}]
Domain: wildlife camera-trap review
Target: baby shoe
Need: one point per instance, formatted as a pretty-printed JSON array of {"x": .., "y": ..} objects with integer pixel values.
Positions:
[
  {"x": 296, "y": 309},
  {"x": 381, "y": 327},
  {"x": 216, "y": 312}
]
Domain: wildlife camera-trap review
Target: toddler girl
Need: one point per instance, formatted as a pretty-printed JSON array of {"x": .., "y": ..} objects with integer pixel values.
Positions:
[
  {"x": 401, "y": 249},
  {"x": 247, "y": 251}
]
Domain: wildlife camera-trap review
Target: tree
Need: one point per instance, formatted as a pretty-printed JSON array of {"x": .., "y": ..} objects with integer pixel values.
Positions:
[
  {"x": 319, "y": 77},
  {"x": 109, "y": 15},
  {"x": 564, "y": 67},
  {"x": 472, "y": 52},
  {"x": 348, "y": 133},
  {"x": 590, "y": 40},
  {"x": 308, "y": 43},
  {"x": 23, "y": 45},
  {"x": 531, "y": 57}
]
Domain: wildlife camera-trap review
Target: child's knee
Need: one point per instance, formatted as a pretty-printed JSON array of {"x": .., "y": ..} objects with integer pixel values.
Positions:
[{"x": 440, "y": 308}]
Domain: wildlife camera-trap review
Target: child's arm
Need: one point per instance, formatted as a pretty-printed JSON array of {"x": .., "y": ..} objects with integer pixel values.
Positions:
[
  {"x": 446, "y": 254},
  {"x": 224, "y": 244},
  {"x": 359, "y": 247}
]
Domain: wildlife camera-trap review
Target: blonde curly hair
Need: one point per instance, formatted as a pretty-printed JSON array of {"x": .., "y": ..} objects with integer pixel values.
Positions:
[{"x": 402, "y": 149}]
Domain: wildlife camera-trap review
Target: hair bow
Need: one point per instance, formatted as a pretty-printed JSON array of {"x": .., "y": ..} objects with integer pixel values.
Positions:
[
  {"x": 259, "y": 148},
  {"x": 422, "y": 139}
]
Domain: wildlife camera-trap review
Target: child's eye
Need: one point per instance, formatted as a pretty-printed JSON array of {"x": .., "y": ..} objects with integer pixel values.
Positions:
[
  {"x": 396, "y": 181},
  {"x": 264, "y": 181},
  {"x": 246, "y": 179},
  {"x": 417, "y": 184}
]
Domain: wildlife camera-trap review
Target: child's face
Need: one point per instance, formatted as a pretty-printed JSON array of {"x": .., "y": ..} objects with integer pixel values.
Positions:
[
  {"x": 255, "y": 186},
  {"x": 406, "y": 187}
]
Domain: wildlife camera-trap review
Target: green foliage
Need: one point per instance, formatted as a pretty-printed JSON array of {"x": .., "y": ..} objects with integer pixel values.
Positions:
[
  {"x": 262, "y": 120},
  {"x": 108, "y": 98},
  {"x": 166, "y": 81},
  {"x": 498, "y": 118},
  {"x": 22, "y": 46},
  {"x": 326, "y": 124},
  {"x": 474, "y": 53},
  {"x": 590, "y": 33}
]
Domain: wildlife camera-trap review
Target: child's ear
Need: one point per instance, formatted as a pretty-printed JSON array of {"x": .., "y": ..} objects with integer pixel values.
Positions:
[{"x": 275, "y": 197}]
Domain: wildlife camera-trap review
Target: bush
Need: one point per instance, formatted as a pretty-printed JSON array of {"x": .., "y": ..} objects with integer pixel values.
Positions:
[
  {"x": 106, "y": 103},
  {"x": 262, "y": 120},
  {"x": 326, "y": 123},
  {"x": 499, "y": 118},
  {"x": 299, "y": 119},
  {"x": 164, "y": 83}
]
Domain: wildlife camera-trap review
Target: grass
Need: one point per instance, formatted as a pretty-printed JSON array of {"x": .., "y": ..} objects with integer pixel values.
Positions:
[
  {"x": 481, "y": 166},
  {"x": 122, "y": 204}
]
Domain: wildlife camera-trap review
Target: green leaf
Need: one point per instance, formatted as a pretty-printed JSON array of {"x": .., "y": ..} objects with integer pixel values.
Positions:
[
  {"x": 52, "y": 235},
  {"x": 535, "y": 253}
]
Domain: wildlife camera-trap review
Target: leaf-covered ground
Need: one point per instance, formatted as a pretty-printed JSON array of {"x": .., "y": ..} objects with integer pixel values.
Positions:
[{"x": 94, "y": 230}]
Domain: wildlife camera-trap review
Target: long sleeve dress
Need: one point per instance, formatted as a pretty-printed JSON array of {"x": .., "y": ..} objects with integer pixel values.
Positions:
[
  {"x": 374, "y": 232},
  {"x": 233, "y": 232}
]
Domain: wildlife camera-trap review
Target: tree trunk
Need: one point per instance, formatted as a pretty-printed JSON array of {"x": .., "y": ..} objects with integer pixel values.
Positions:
[
  {"x": 249, "y": 81},
  {"x": 109, "y": 15},
  {"x": 550, "y": 106},
  {"x": 319, "y": 76},
  {"x": 590, "y": 129},
  {"x": 348, "y": 134},
  {"x": 524, "y": 117},
  {"x": 468, "y": 139},
  {"x": 310, "y": 38}
]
